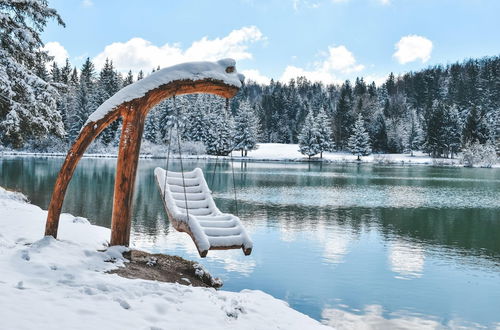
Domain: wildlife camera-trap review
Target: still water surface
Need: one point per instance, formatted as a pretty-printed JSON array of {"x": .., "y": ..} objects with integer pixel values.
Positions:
[{"x": 348, "y": 245}]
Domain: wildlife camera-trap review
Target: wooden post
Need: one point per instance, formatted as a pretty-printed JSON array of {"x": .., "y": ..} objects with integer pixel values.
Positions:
[{"x": 126, "y": 170}]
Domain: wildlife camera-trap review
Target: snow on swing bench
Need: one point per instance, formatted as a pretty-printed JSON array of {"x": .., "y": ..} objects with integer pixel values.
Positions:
[{"x": 209, "y": 228}]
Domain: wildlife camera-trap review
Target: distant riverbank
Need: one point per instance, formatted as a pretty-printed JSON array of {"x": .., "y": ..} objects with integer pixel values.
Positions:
[{"x": 280, "y": 152}]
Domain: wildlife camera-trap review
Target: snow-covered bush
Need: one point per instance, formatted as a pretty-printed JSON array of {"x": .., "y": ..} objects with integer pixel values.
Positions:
[
  {"x": 98, "y": 147},
  {"x": 483, "y": 155},
  {"x": 47, "y": 144},
  {"x": 193, "y": 148},
  {"x": 161, "y": 150}
]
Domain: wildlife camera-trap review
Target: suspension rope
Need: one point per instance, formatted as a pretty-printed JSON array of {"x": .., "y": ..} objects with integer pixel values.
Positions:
[
  {"x": 213, "y": 172},
  {"x": 168, "y": 158},
  {"x": 180, "y": 157},
  {"x": 232, "y": 167}
]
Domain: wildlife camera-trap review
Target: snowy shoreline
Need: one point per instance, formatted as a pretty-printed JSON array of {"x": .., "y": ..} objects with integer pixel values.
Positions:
[
  {"x": 277, "y": 152},
  {"x": 63, "y": 284}
]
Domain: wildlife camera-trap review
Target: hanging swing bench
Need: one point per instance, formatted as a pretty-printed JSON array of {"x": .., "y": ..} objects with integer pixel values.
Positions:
[
  {"x": 186, "y": 196},
  {"x": 191, "y": 209}
]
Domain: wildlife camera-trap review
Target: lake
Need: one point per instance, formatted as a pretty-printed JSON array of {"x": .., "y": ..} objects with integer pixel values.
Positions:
[{"x": 349, "y": 245}]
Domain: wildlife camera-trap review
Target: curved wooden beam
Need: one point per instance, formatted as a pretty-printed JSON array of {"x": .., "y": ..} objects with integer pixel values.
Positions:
[{"x": 133, "y": 113}]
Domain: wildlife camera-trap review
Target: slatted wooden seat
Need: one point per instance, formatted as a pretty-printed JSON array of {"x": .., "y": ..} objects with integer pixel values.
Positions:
[{"x": 190, "y": 207}]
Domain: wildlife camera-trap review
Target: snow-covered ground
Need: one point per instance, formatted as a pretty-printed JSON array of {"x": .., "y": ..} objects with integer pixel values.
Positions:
[
  {"x": 62, "y": 284},
  {"x": 290, "y": 152}
]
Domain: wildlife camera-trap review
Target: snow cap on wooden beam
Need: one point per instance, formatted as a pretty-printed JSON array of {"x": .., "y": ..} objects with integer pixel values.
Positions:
[{"x": 223, "y": 70}]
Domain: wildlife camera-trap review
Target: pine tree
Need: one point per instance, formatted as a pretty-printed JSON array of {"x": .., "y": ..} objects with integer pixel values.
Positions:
[
  {"x": 107, "y": 85},
  {"x": 414, "y": 134},
  {"x": 475, "y": 129},
  {"x": 84, "y": 100},
  {"x": 434, "y": 121},
  {"x": 309, "y": 137},
  {"x": 65, "y": 72},
  {"x": 129, "y": 79},
  {"x": 378, "y": 130},
  {"x": 452, "y": 131},
  {"x": 359, "y": 141},
  {"x": 152, "y": 126},
  {"x": 325, "y": 140},
  {"x": 245, "y": 131},
  {"x": 28, "y": 106},
  {"x": 343, "y": 118},
  {"x": 197, "y": 128},
  {"x": 220, "y": 136}
]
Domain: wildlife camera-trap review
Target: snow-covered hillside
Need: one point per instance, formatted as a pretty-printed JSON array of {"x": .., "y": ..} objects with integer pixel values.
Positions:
[{"x": 62, "y": 284}]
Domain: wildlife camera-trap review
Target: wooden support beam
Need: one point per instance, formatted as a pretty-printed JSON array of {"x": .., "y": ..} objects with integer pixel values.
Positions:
[{"x": 126, "y": 170}]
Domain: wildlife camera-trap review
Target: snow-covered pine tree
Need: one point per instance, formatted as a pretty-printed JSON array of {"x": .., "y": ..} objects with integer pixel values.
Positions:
[
  {"x": 84, "y": 101},
  {"x": 107, "y": 85},
  {"x": 152, "y": 126},
  {"x": 196, "y": 126},
  {"x": 309, "y": 137},
  {"x": 414, "y": 136},
  {"x": 452, "y": 131},
  {"x": 325, "y": 140},
  {"x": 140, "y": 75},
  {"x": 343, "y": 118},
  {"x": 129, "y": 79},
  {"x": 27, "y": 101},
  {"x": 475, "y": 129},
  {"x": 378, "y": 130},
  {"x": 359, "y": 142},
  {"x": 220, "y": 130},
  {"x": 245, "y": 129}
]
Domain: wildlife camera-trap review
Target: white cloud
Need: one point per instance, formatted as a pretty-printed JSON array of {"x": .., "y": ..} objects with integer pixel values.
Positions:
[
  {"x": 57, "y": 50},
  {"x": 378, "y": 80},
  {"x": 297, "y": 4},
  {"x": 256, "y": 76},
  {"x": 87, "y": 3},
  {"x": 292, "y": 72},
  {"x": 339, "y": 60},
  {"x": 138, "y": 53},
  {"x": 385, "y": 2},
  {"x": 411, "y": 48}
]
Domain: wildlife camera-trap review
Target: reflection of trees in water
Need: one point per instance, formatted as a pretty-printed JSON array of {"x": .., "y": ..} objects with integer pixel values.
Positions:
[{"x": 471, "y": 232}]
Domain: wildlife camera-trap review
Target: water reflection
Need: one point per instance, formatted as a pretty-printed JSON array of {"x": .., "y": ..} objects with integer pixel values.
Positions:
[
  {"x": 334, "y": 241},
  {"x": 372, "y": 317},
  {"x": 406, "y": 259}
]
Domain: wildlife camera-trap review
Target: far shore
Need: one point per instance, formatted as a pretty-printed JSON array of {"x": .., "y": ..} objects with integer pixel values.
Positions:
[{"x": 277, "y": 152}]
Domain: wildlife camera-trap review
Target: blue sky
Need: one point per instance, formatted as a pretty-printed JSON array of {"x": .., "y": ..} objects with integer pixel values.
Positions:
[{"x": 329, "y": 40}]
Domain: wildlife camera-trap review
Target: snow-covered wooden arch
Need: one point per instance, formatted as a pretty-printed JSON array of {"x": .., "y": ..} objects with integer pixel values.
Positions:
[{"x": 132, "y": 104}]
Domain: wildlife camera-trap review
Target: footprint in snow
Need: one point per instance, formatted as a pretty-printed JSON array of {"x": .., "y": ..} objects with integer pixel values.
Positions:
[
  {"x": 25, "y": 255},
  {"x": 123, "y": 303}
]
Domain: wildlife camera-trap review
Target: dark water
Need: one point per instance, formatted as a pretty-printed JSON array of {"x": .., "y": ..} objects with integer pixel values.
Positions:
[{"x": 349, "y": 245}]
